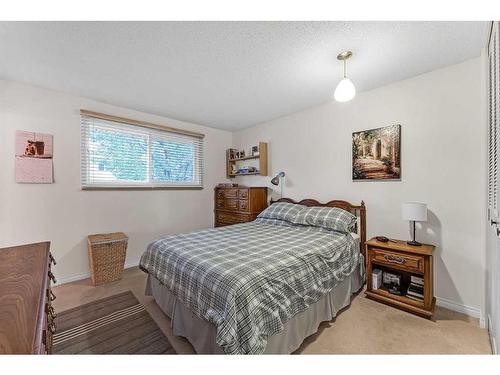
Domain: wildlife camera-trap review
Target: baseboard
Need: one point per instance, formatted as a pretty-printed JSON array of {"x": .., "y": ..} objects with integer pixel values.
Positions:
[
  {"x": 69, "y": 279},
  {"x": 461, "y": 308}
]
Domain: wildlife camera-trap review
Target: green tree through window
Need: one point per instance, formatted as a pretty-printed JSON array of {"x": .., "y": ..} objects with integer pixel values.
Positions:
[
  {"x": 172, "y": 161},
  {"x": 124, "y": 155}
]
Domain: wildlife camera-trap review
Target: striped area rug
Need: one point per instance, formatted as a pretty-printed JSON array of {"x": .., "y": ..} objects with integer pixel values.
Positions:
[{"x": 114, "y": 325}]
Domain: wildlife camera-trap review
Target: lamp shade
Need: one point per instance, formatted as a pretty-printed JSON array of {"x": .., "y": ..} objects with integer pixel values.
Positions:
[
  {"x": 345, "y": 91},
  {"x": 414, "y": 211},
  {"x": 276, "y": 179}
]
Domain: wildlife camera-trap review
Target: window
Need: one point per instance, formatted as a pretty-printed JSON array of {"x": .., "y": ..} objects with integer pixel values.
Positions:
[{"x": 122, "y": 153}]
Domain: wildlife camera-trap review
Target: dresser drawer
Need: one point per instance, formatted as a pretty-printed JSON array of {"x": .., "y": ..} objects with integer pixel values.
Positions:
[
  {"x": 231, "y": 204},
  {"x": 243, "y": 193},
  {"x": 231, "y": 193},
  {"x": 243, "y": 205},
  {"x": 410, "y": 263},
  {"x": 229, "y": 218},
  {"x": 219, "y": 203},
  {"x": 225, "y": 217}
]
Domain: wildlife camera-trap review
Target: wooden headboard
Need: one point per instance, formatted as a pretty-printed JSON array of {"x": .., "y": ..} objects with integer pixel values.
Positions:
[{"x": 359, "y": 211}]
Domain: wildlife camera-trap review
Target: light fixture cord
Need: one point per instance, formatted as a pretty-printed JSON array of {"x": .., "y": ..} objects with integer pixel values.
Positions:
[{"x": 345, "y": 68}]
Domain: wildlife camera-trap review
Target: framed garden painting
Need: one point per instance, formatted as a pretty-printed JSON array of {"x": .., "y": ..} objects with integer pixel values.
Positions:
[{"x": 376, "y": 154}]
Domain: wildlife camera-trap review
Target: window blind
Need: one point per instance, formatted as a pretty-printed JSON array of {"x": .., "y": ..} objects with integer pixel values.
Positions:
[
  {"x": 117, "y": 154},
  {"x": 493, "y": 120}
]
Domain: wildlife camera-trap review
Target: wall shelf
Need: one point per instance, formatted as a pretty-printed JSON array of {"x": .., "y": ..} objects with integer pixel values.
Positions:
[
  {"x": 244, "y": 174},
  {"x": 262, "y": 159},
  {"x": 245, "y": 158}
]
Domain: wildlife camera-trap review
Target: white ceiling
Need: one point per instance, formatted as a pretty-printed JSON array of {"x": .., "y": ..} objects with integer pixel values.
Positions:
[{"x": 227, "y": 75}]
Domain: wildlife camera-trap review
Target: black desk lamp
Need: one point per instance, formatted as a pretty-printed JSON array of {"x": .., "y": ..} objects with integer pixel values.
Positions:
[{"x": 277, "y": 181}]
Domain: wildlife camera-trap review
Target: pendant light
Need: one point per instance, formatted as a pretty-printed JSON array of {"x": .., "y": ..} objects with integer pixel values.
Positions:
[{"x": 345, "y": 90}]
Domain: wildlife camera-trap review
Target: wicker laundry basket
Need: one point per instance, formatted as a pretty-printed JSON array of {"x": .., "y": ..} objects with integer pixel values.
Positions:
[{"x": 107, "y": 256}]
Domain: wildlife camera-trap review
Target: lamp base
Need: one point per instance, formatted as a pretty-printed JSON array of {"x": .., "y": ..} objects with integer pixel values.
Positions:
[{"x": 413, "y": 243}]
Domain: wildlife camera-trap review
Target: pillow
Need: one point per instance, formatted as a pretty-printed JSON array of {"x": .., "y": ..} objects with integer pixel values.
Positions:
[
  {"x": 332, "y": 218},
  {"x": 282, "y": 211},
  {"x": 279, "y": 223}
]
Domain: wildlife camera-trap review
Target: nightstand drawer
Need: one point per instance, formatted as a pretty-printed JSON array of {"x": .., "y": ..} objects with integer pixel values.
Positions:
[{"x": 411, "y": 263}]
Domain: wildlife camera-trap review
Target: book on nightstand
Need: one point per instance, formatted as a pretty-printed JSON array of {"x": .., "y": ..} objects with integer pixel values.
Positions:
[
  {"x": 376, "y": 278},
  {"x": 417, "y": 280},
  {"x": 416, "y": 288}
]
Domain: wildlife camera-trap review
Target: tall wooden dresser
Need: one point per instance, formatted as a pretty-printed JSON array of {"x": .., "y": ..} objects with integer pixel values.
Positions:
[
  {"x": 235, "y": 205},
  {"x": 26, "y": 314}
]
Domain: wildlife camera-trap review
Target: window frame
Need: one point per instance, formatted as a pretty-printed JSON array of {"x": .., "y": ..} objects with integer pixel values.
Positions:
[{"x": 150, "y": 184}]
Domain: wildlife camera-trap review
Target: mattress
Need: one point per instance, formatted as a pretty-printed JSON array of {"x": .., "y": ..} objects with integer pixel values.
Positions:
[
  {"x": 249, "y": 279},
  {"x": 202, "y": 334}
]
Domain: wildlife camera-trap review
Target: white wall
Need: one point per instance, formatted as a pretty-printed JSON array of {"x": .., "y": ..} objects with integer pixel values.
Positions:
[
  {"x": 62, "y": 212},
  {"x": 443, "y": 143},
  {"x": 442, "y": 155}
]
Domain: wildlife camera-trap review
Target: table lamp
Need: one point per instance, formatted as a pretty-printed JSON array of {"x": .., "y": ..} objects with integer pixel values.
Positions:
[
  {"x": 413, "y": 211},
  {"x": 277, "y": 180}
]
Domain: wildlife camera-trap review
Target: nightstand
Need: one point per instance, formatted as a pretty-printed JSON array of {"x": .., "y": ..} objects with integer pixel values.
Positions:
[{"x": 399, "y": 257}]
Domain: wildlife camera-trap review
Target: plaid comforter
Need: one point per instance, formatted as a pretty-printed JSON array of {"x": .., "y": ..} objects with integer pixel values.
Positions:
[{"x": 249, "y": 279}]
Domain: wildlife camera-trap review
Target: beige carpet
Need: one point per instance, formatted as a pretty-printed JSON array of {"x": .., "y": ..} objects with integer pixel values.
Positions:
[{"x": 366, "y": 327}]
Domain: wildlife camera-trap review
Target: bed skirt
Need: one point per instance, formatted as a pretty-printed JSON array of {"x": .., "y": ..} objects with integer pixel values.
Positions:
[{"x": 201, "y": 334}]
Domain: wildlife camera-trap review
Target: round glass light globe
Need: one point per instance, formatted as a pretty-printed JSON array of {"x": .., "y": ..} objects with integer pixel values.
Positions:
[{"x": 345, "y": 91}]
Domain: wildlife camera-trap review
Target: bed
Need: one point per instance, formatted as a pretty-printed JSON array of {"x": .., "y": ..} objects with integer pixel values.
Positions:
[{"x": 263, "y": 286}]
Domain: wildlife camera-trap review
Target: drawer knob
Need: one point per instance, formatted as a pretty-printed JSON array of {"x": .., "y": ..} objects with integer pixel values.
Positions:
[
  {"x": 51, "y": 276},
  {"x": 395, "y": 259},
  {"x": 52, "y": 259},
  {"x": 52, "y": 313},
  {"x": 52, "y": 327},
  {"x": 52, "y": 296}
]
